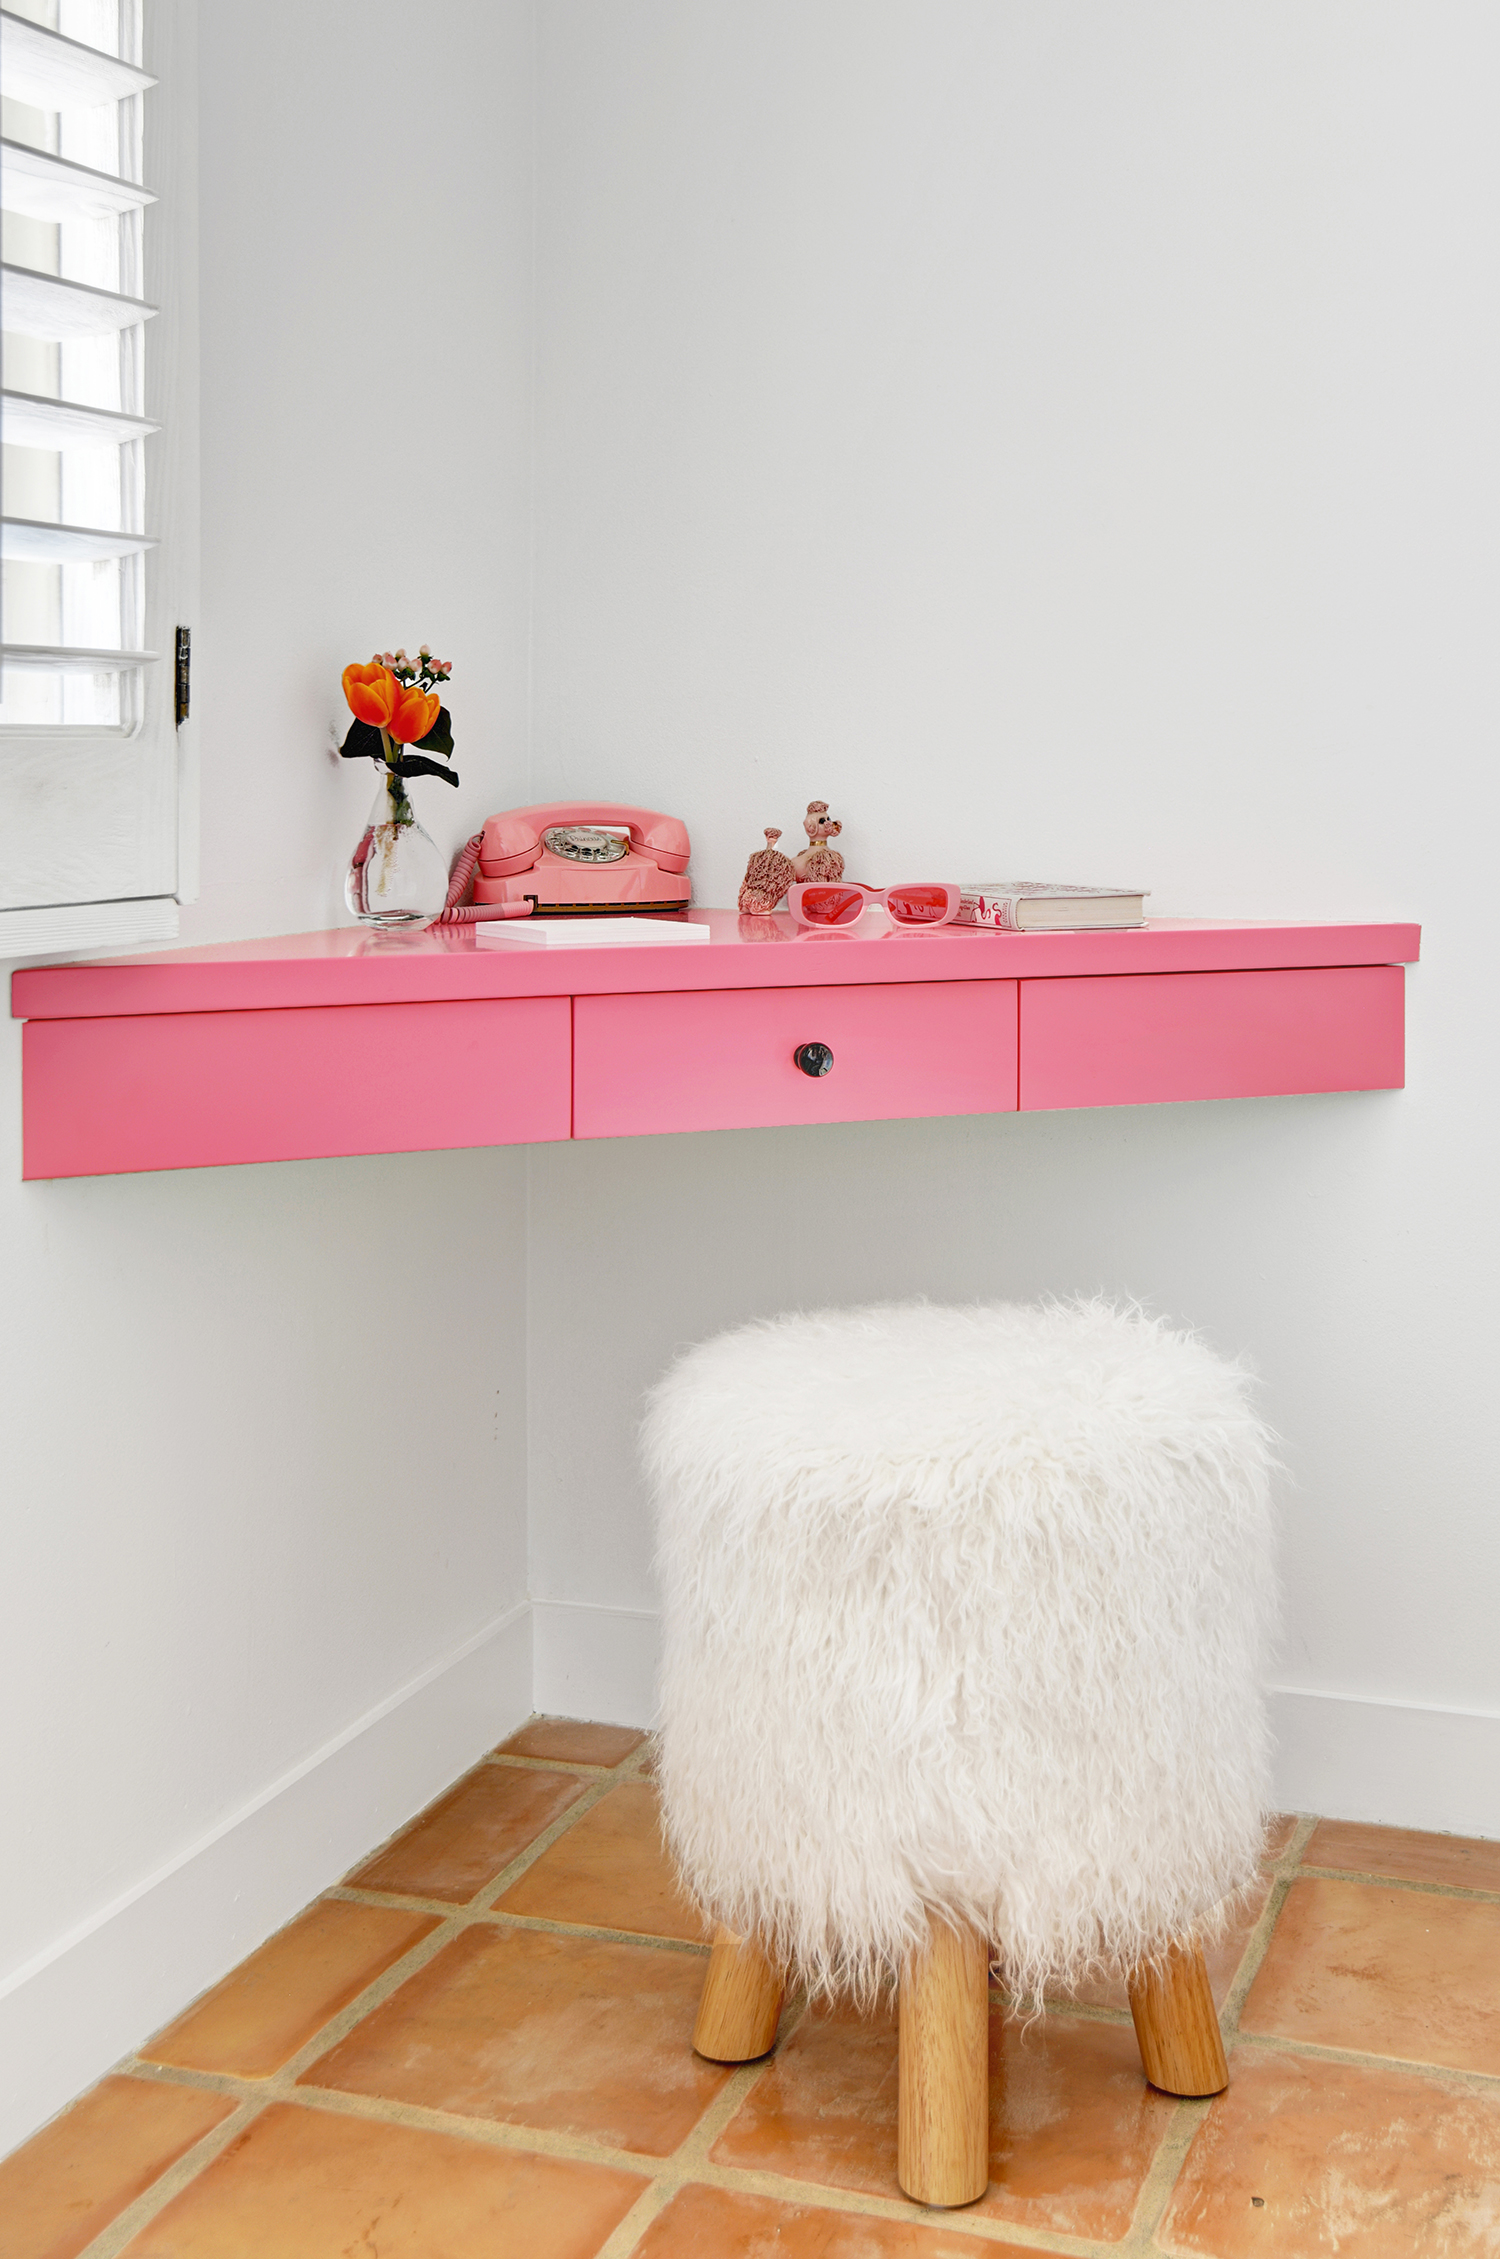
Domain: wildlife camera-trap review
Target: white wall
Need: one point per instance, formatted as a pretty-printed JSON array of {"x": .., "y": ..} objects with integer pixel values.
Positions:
[
  {"x": 264, "y": 1438},
  {"x": 1061, "y": 435}
]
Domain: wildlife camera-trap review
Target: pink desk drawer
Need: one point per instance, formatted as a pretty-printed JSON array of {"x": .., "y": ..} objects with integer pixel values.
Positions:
[
  {"x": 184, "y": 1090},
  {"x": 1136, "y": 1039},
  {"x": 722, "y": 1058}
]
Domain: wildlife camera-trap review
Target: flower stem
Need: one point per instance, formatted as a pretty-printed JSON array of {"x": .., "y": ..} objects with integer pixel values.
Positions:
[{"x": 395, "y": 783}]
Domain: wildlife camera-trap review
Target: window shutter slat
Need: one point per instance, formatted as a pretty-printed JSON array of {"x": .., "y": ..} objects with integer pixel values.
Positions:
[
  {"x": 45, "y": 187},
  {"x": 72, "y": 658},
  {"x": 52, "y": 307},
  {"x": 28, "y": 420},
  {"x": 53, "y": 73},
  {"x": 34, "y": 541}
]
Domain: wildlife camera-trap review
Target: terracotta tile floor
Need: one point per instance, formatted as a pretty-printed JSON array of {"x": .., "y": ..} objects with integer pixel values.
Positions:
[{"x": 477, "y": 2047}]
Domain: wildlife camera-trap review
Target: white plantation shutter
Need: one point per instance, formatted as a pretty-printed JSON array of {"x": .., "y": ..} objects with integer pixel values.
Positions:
[{"x": 89, "y": 768}]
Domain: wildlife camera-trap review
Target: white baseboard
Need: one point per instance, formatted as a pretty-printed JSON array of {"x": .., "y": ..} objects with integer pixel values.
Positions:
[
  {"x": 597, "y": 1663},
  {"x": 99, "y": 1991},
  {"x": 1355, "y": 1759}
]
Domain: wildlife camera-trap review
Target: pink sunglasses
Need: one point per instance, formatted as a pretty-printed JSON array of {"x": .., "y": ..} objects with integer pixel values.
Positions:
[{"x": 838, "y": 902}]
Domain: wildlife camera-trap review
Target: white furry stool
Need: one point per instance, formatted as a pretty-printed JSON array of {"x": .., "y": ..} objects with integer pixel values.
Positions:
[{"x": 964, "y": 1613}]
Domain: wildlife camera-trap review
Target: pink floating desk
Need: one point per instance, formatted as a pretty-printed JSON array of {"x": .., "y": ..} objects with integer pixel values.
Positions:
[{"x": 310, "y": 1045}]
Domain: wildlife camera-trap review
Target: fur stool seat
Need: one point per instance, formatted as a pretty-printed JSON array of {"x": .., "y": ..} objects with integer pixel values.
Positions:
[{"x": 964, "y": 1612}]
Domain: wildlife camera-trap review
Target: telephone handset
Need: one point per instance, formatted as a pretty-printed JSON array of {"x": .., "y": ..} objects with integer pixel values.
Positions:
[{"x": 574, "y": 856}]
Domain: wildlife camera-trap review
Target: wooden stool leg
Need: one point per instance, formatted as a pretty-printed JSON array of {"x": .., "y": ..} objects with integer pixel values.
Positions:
[
  {"x": 943, "y": 2143},
  {"x": 741, "y": 2003},
  {"x": 1182, "y": 2048}
]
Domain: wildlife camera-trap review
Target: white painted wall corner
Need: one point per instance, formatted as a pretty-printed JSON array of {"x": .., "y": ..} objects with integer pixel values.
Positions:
[{"x": 597, "y": 1663}]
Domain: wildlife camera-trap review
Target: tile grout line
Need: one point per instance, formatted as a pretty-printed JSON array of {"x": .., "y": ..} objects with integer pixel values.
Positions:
[
  {"x": 498, "y": 1917},
  {"x": 512, "y": 1764},
  {"x": 1160, "y": 2183},
  {"x": 1474, "y": 2082},
  {"x": 1087, "y": 2011},
  {"x": 510, "y": 2135},
  {"x": 500, "y": 1759},
  {"x": 400, "y": 1901},
  {"x": 501, "y": 1917},
  {"x": 127, "y": 2225},
  {"x": 594, "y": 1787},
  {"x": 966, "y": 2219},
  {"x": 1461, "y": 1891},
  {"x": 1283, "y": 1874},
  {"x": 671, "y": 2176}
]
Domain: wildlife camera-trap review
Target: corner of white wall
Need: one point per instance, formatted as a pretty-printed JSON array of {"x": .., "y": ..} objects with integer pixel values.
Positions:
[{"x": 597, "y": 1663}]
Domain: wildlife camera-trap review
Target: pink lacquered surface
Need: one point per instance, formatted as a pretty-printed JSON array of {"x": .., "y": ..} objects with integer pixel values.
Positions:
[
  {"x": 188, "y": 1090},
  {"x": 353, "y": 1042},
  {"x": 723, "y": 1059},
  {"x": 1140, "y": 1040},
  {"x": 349, "y": 965}
]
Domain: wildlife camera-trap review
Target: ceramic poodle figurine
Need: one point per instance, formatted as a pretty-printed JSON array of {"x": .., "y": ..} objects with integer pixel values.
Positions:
[
  {"x": 818, "y": 860},
  {"x": 768, "y": 874}
]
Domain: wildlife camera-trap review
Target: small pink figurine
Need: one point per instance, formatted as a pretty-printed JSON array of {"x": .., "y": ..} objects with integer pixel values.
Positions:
[
  {"x": 818, "y": 860},
  {"x": 768, "y": 874}
]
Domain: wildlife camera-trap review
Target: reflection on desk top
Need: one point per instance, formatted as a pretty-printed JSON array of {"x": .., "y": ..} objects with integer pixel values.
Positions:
[{"x": 358, "y": 965}]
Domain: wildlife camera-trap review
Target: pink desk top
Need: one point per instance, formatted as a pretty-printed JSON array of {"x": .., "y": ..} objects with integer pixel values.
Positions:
[{"x": 353, "y": 965}]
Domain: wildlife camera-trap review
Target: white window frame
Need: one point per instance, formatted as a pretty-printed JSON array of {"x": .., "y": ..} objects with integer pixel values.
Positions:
[{"x": 99, "y": 826}]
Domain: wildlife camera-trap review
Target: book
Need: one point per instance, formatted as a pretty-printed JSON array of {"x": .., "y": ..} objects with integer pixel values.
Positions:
[{"x": 1040, "y": 906}]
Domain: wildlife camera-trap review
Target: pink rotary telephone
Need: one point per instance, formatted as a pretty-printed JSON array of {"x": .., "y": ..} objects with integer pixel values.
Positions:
[{"x": 583, "y": 855}]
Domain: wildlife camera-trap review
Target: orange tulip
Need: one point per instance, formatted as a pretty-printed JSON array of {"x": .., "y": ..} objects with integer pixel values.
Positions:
[
  {"x": 372, "y": 693},
  {"x": 413, "y": 713}
]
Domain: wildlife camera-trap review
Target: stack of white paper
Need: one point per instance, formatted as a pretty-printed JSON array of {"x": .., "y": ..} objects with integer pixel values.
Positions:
[{"x": 591, "y": 933}]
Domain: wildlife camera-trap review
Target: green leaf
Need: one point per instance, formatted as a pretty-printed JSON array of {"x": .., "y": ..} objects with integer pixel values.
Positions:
[
  {"x": 413, "y": 765},
  {"x": 363, "y": 743},
  {"x": 439, "y": 738}
]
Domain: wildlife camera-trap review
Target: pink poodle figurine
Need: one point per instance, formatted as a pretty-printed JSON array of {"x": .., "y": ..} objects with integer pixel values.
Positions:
[
  {"x": 818, "y": 860},
  {"x": 768, "y": 874}
]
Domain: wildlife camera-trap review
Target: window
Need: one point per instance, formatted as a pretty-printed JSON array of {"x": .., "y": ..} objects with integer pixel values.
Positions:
[{"x": 91, "y": 782}]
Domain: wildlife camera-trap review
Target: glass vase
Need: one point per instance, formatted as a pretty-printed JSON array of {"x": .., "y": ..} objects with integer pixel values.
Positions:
[{"x": 396, "y": 876}]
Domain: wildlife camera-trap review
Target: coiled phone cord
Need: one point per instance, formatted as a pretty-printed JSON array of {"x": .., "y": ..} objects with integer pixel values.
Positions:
[{"x": 457, "y": 912}]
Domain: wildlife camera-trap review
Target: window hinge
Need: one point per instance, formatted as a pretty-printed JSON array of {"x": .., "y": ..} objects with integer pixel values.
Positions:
[{"x": 184, "y": 673}]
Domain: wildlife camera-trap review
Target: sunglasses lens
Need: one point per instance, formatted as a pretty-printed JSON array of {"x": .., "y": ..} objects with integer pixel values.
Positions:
[
  {"x": 918, "y": 905},
  {"x": 832, "y": 905}
]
